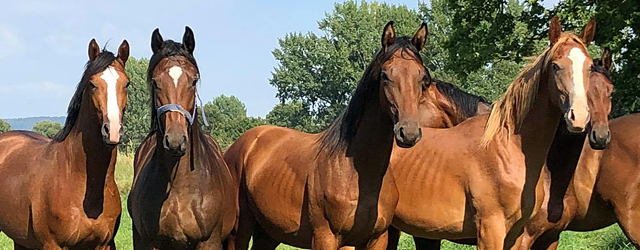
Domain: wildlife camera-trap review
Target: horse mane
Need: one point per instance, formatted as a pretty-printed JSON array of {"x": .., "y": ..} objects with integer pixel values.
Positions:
[
  {"x": 104, "y": 60},
  {"x": 597, "y": 67},
  {"x": 343, "y": 129},
  {"x": 465, "y": 103},
  {"x": 511, "y": 109},
  {"x": 170, "y": 48}
]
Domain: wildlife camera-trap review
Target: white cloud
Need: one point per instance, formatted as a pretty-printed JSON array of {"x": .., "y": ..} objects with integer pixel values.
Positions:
[{"x": 10, "y": 43}]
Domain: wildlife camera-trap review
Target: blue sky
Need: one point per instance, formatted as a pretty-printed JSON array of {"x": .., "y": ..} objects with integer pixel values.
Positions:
[{"x": 43, "y": 44}]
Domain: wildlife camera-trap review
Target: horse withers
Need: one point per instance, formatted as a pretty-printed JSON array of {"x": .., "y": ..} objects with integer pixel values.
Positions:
[{"x": 61, "y": 193}]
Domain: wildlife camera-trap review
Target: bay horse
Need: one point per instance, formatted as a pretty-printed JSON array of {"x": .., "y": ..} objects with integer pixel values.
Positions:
[
  {"x": 61, "y": 193},
  {"x": 445, "y": 105},
  {"x": 561, "y": 160},
  {"x": 480, "y": 178},
  {"x": 182, "y": 196},
  {"x": 333, "y": 189}
]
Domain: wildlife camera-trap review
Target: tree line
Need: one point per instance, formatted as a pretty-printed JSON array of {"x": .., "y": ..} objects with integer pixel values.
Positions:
[{"x": 478, "y": 45}]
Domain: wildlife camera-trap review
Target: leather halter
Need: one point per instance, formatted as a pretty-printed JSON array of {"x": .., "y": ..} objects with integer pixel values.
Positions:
[{"x": 172, "y": 107}]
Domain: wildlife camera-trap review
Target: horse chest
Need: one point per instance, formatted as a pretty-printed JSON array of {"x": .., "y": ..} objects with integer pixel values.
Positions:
[
  {"x": 75, "y": 228},
  {"x": 360, "y": 210},
  {"x": 183, "y": 217}
]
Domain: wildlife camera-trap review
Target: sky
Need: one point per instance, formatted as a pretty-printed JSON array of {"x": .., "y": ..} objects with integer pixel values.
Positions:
[{"x": 43, "y": 44}]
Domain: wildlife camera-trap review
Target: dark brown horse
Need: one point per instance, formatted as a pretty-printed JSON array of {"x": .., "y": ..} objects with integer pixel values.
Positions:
[
  {"x": 561, "y": 160},
  {"x": 479, "y": 179},
  {"x": 183, "y": 195},
  {"x": 594, "y": 192},
  {"x": 326, "y": 190},
  {"x": 61, "y": 193}
]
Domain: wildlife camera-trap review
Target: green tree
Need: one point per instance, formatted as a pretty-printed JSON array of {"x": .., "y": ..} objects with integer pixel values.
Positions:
[
  {"x": 293, "y": 115},
  {"x": 227, "y": 118},
  {"x": 4, "y": 126},
  {"x": 47, "y": 128},
  {"x": 137, "y": 116}
]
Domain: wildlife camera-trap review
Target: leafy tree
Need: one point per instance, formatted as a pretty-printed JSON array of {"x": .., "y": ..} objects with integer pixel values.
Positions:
[
  {"x": 47, "y": 128},
  {"x": 4, "y": 126},
  {"x": 227, "y": 117},
  {"x": 137, "y": 116},
  {"x": 293, "y": 115}
]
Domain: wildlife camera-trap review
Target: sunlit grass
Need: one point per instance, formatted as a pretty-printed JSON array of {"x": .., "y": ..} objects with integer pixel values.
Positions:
[{"x": 610, "y": 238}]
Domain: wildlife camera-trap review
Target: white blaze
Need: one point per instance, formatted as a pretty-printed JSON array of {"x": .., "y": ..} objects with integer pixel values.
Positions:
[
  {"x": 110, "y": 76},
  {"x": 579, "y": 110},
  {"x": 175, "y": 72},
  {"x": 577, "y": 58}
]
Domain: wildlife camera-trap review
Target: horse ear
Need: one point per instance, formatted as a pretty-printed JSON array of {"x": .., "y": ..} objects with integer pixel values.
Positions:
[
  {"x": 388, "y": 35},
  {"x": 156, "y": 41},
  {"x": 606, "y": 59},
  {"x": 188, "y": 41},
  {"x": 420, "y": 37},
  {"x": 123, "y": 51},
  {"x": 555, "y": 30},
  {"x": 589, "y": 32},
  {"x": 94, "y": 50}
]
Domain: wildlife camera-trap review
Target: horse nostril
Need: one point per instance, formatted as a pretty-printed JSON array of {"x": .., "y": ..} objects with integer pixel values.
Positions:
[
  {"x": 105, "y": 129},
  {"x": 165, "y": 142},
  {"x": 402, "y": 133},
  {"x": 572, "y": 116}
]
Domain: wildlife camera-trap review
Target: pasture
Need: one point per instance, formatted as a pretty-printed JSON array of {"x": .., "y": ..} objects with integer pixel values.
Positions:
[{"x": 610, "y": 238}]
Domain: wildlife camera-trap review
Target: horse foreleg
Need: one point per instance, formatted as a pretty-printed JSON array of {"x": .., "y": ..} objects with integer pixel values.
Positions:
[
  {"x": 394, "y": 238},
  {"x": 491, "y": 233},
  {"x": 379, "y": 243},
  {"x": 324, "y": 239},
  {"x": 262, "y": 240},
  {"x": 628, "y": 219},
  {"x": 19, "y": 247},
  {"x": 426, "y": 244},
  {"x": 140, "y": 243}
]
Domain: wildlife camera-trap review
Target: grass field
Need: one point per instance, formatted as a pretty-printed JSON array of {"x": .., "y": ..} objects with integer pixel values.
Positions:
[{"x": 610, "y": 238}]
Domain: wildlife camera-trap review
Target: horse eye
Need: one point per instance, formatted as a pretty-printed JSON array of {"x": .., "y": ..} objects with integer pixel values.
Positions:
[
  {"x": 556, "y": 67},
  {"x": 384, "y": 76}
]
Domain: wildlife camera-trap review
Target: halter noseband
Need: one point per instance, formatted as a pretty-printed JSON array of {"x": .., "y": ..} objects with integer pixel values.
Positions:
[{"x": 172, "y": 107}]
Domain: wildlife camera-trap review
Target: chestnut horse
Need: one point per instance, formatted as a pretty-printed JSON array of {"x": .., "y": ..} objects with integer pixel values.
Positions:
[
  {"x": 561, "y": 159},
  {"x": 332, "y": 189},
  {"x": 182, "y": 195},
  {"x": 61, "y": 193},
  {"x": 480, "y": 179},
  {"x": 596, "y": 191}
]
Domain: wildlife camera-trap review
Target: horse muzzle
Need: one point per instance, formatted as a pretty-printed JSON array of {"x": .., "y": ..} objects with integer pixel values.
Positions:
[
  {"x": 111, "y": 133},
  {"x": 407, "y": 133}
]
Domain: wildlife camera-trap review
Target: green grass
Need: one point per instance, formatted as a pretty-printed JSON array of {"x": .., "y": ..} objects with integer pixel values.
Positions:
[{"x": 610, "y": 238}]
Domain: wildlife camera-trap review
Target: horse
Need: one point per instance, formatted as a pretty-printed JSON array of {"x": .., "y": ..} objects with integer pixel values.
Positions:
[
  {"x": 445, "y": 105},
  {"x": 480, "y": 178},
  {"x": 182, "y": 195},
  {"x": 60, "y": 193},
  {"x": 562, "y": 157},
  {"x": 597, "y": 191},
  {"x": 333, "y": 189}
]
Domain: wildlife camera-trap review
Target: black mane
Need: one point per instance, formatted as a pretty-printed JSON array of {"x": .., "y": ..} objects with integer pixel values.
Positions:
[
  {"x": 170, "y": 48},
  {"x": 596, "y": 66},
  {"x": 339, "y": 134},
  {"x": 104, "y": 60},
  {"x": 466, "y": 103}
]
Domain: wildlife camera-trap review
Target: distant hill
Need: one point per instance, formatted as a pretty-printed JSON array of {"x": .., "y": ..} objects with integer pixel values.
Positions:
[{"x": 28, "y": 122}]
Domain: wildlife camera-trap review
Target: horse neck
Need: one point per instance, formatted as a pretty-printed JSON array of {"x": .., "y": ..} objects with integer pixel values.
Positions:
[
  {"x": 172, "y": 167},
  {"x": 539, "y": 128},
  {"x": 371, "y": 147},
  {"x": 89, "y": 156}
]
